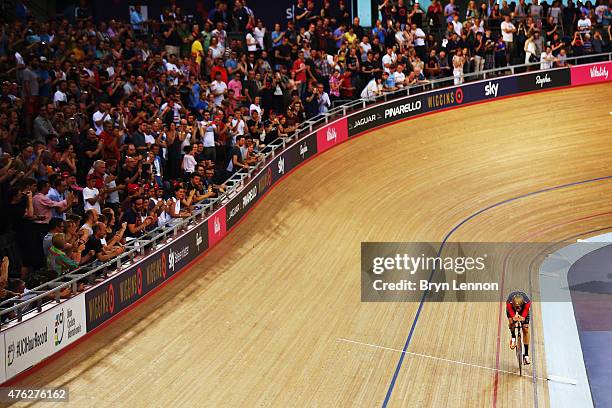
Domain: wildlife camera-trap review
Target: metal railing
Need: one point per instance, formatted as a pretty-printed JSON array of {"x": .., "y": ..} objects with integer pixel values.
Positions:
[
  {"x": 49, "y": 293},
  {"x": 432, "y": 84}
]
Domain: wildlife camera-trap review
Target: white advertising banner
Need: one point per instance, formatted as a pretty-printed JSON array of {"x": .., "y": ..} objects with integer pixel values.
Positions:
[{"x": 38, "y": 338}]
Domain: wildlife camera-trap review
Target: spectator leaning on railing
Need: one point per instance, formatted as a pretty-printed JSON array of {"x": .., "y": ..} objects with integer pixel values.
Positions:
[{"x": 133, "y": 121}]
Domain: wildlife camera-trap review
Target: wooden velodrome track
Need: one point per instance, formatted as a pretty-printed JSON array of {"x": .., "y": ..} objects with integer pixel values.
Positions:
[{"x": 272, "y": 316}]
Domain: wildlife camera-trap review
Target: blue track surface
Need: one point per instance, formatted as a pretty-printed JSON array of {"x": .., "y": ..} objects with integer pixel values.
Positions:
[{"x": 590, "y": 281}]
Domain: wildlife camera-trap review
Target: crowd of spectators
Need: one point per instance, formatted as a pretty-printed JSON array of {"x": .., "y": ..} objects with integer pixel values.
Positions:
[{"x": 114, "y": 128}]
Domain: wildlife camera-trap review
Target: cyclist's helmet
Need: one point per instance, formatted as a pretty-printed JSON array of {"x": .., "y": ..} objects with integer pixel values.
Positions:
[{"x": 518, "y": 301}]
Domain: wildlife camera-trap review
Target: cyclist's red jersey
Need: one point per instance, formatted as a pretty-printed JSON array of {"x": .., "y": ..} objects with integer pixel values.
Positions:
[{"x": 524, "y": 310}]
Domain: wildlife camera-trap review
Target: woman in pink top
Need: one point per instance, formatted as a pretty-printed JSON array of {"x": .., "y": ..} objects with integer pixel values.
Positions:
[
  {"x": 236, "y": 85},
  {"x": 334, "y": 85}
]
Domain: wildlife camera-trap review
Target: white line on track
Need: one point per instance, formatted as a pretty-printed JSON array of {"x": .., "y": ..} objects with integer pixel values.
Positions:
[{"x": 551, "y": 378}]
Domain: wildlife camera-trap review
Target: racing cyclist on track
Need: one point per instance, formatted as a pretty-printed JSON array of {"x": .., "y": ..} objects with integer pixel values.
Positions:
[{"x": 517, "y": 310}]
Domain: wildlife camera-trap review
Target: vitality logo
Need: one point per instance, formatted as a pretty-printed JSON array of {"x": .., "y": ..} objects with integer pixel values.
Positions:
[
  {"x": 331, "y": 134},
  {"x": 598, "y": 72},
  {"x": 217, "y": 225}
]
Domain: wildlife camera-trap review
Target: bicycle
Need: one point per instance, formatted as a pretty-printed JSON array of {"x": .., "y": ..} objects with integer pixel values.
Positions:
[{"x": 518, "y": 331}]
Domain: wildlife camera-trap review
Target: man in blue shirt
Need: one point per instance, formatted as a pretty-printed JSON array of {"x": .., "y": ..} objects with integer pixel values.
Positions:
[
  {"x": 136, "y": 19},
  {"x": 57, "y": 193}
]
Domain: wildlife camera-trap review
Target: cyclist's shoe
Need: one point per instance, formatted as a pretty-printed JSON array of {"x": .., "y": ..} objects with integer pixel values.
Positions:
[
  {"x": 526, "y": 360},
  {"x": 512, "y": 343}
]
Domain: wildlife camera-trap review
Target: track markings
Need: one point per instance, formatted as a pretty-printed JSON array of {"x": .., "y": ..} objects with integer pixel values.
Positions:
[{"x": 446, "y": 360}]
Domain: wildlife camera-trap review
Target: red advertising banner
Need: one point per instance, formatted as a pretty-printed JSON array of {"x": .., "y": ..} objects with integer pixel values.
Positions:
[
  {"x": 588, "y": 74},
  {"x": 216, "y": 227},
  {"x": 332, "y": 134}
]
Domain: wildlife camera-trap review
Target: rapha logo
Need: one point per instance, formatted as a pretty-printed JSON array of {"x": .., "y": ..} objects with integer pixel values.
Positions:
[
  {"x": 543, "y": 80},
  {"x": 491, "y": 89},
  {"x": 303, "y": 149},
  {"x": 198, "y": 240},
  {"x": 599, "y": 72},
  {"x": 216, "y": 225},
  {"x": 331, "y": 134},
  {"x": 281, "y": 165}
]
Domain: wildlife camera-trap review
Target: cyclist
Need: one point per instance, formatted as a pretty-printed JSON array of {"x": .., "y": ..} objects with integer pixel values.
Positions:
[{"x": 517, "y": 310}]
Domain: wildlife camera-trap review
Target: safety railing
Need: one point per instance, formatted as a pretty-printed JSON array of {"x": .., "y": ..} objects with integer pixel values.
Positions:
[
  {"x": 49, "y": 293},
  {"x": 432, "y": 84}
]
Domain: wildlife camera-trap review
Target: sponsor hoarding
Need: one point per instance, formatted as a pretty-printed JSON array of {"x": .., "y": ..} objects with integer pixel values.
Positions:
[
  {"x": 491, "y": 89},
  {"x": 216, "y": 226},
  {"x": 540, "y": 80},
  {"x": 114, "y": 295},
  {"x": 332, "y": 134},
  {"x": 250, "y": 194},
  {"x": 280, "y": 165},
  {"x": 385, "y": 113},
  {"x": 293, "y": 157},
  {"x": 443, "y": 98},
  {"x": 34, "y": 340},
  {"x": 588, "y": 74}
]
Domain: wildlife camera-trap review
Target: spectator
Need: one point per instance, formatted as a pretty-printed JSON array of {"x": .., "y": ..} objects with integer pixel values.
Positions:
[
  {"x": 179, "y": 206},
  {"x": 236, "y": 161},
  {"x": 322, "y": 99},
  {"x": 97, "y": 244},
  {"x": 530, "y": 50},
  {"x": 43, "y": 128},
  {"x": 56, "y": 226},
  {"x": 89, "y": 219},
  {"x": 135, "y": 220},
  {"x": 92, "y": 197},
  {"x": 125, "y": 101},
  {"x": 508, "y": 31},
  {"x": 584, "y": 24},
  {"x": 58, "y": 260},
  {"x": 58, "y": 194},
  {"x": 459, "y": 60},
  {"x": 547, "y": 59},
  {"x": 373, "y": 88}
]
